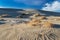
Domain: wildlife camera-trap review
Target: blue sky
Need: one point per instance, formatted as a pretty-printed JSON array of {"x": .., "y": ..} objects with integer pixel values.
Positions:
[{"x": 49, "y": 5}]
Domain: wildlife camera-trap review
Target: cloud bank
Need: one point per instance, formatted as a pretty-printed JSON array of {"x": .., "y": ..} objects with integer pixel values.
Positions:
[{"x": 55, "y": 6}]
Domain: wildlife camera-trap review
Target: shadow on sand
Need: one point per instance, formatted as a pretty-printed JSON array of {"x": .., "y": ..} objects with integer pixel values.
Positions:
[{"x": 56, "y": 26}]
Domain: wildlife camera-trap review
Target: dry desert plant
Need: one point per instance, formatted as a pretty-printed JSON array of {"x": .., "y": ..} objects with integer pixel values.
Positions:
[
  {"x": 36, "y": 15},
  {"x": 46, "y": 30},
  {"x": 34, "y": 22},
  {"x": 47, "y": 24},
  {"x": 42, "y": 17}
]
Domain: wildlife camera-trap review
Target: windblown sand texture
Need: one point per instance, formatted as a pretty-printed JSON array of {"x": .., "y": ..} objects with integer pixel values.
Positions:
[{"x": 34, "y": 29}]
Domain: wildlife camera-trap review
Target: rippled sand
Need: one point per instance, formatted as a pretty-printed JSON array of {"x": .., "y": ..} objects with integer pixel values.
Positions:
[{"x": 24, "y": 32}]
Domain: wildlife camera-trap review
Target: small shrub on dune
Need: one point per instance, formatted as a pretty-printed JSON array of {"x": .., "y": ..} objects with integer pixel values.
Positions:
[
  {"x": 47, "y": 32},
  {"x": 36, "y": 15},
  {"x": 42, "y": 17},
  {"x": 47, "y": 24},
  {"x": 5, "y": 15},
  {"x": 34, "y": 22}
]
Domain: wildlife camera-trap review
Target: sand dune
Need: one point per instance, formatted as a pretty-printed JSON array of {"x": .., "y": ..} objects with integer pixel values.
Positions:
[
  {"x": 23, "y": 31},
  {"x": 36, "y": 27}
]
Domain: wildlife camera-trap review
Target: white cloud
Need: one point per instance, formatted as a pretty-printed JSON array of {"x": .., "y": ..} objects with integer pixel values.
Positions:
[
  {"x": 29, "y": 2},
  {"x": 55, "y": 6}
]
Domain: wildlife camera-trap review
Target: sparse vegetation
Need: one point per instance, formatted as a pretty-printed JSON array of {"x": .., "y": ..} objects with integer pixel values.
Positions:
[
  {"x": 36, "y": 15},
  {"x": 38, "y": 22},
  {"x": 35, "y": 29},
  {"x": 34, "y": 22},
  {"x": 5, "y": 15},
  {"x": 42, "y": 17},
  {"x": 47, "y": 24},
  {"x": 45, "y": 29}
]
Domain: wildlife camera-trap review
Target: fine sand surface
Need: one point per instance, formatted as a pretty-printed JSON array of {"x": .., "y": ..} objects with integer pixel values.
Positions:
[{"x": 25, "y": 32}]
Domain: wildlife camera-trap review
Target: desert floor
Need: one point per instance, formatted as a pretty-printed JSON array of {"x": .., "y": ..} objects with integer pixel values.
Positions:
[{"x": 21, "y": 31}]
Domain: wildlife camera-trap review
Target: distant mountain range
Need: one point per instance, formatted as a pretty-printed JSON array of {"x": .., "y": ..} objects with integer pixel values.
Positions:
[{"x": 16, "y": 12}]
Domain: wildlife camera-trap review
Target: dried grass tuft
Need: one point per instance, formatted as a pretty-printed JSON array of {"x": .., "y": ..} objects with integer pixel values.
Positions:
[
  {"x": 34, "y": 22},
  {"x": 47, "y": 24}
]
